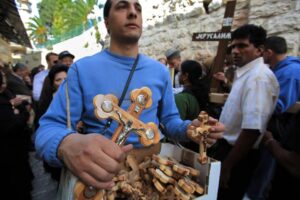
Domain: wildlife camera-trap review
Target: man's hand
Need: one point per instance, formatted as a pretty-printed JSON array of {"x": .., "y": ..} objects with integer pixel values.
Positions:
[
  {"x": 220, "y": 76},
  {"x": 16, "y": 101},
  {"x": 216, "y": 131},
  {"x": 94, "y": 159}
]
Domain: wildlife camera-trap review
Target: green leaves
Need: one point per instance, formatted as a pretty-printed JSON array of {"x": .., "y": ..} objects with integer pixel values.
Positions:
[
  {"x": 61, "y": 19},
  {"x": 38, "y": 30}
]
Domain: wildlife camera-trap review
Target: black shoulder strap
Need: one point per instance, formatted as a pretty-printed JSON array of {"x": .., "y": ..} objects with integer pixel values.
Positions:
[
  {"x": 128, "y": 80},
  {"x": 108, "y": 123}
]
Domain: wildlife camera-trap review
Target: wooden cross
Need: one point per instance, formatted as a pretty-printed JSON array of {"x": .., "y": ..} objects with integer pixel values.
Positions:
[
  {"x": 223, "y": 37},
  {"x": 106, "y": 106},
  {"x": 201, "y": 133}
]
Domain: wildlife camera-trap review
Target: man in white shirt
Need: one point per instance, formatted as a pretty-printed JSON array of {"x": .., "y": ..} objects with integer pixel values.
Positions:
[
  {"x": 246, "y": 112},
  {"x": 39, "y": 78}
]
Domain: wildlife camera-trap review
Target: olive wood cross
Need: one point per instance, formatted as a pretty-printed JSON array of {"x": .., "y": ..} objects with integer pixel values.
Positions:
[
  {"x": 202, "y": 133},
  {"x": 106, "y": 106}
]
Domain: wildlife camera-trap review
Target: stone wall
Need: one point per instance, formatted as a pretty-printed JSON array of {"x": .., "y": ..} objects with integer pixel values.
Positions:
[
  {"x": 5, "y": 51},
  {"x": 176, "y": 31},
  {"x": 278, "y": 17}
]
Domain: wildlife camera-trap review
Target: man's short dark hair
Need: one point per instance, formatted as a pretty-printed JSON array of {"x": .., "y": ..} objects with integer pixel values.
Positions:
[
  {"x": 256, "y": 34},
  {"x": 19, "y": 66},
  {"x": 49, "y": 55},
  {"x": 106, "y": 8},
  {"x": 276, "y": 44}
]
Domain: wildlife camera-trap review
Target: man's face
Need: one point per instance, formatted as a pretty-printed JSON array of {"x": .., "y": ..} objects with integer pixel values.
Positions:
[
  {"x": 267, "y": 55},
  {"x": 52, "y": 60},
  {"x": 67, "y": 61},
  {"x": 175, "y": 63},
  {"x": 124, "y": 22},
  {"x": 23, "y": 72},
  {"x": 244, "y": 52}
]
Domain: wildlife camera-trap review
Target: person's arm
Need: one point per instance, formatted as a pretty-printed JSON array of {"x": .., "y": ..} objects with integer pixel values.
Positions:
[
  {"x": 53, "y": 125},
  {"x": 290, "y": 160},
  {"x": 168, "y": 114},
  {"x": 258, "y": 101},
  {"x": 240, "y": 149},
  {"x": 91, "y": 157},
  {"x": 287, "y": 96},
  {"x": 181, "y": 130}
]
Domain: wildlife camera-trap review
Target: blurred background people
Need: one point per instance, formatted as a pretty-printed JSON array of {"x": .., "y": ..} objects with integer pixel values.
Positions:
[
  {"x": 39, "y": 78},
  {"x": 194, "y": 97},
  {"x": 66, "y": 58},
  {"x": 56, "y": 75},
  {"x": 16, "y": 172},
  {"x": 163, "y": 60},
  {"x": 287, "y": 71},
  {"x": 16, "y": 80},
  {"x": 174, "y": 61}
]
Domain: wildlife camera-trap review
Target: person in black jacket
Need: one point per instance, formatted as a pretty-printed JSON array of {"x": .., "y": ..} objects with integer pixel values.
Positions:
[{"x": 16, "y": 172}]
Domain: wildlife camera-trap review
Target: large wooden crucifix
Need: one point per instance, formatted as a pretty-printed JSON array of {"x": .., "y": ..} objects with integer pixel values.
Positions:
[
  {"x": 106, "y": 106},
  {"x": 223, "y": 37}
]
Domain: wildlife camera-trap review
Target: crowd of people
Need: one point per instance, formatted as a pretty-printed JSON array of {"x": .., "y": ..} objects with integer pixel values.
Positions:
[
  {"x": 50, "y": 110},
  {"x": 25, "y": 97}
]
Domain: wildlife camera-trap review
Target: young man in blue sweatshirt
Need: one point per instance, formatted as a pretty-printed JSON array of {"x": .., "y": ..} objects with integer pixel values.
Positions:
[
  {"x": 286, "y": 69},
  {"x": 93, "y": 157}
]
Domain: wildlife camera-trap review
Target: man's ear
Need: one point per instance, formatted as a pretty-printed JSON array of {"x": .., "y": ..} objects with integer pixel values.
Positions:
[
  {"x": 106, "y": 24},
  {"x": 269, "y": 51},
  {"x": 260, "y": 49}
]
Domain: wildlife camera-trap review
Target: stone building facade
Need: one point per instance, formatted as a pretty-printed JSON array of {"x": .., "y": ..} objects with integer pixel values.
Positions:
[{"x": 276, "y": 16}]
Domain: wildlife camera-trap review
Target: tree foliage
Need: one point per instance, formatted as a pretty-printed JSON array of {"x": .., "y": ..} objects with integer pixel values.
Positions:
[
  {"x": 38, "y": 30},
  {"x": 57, "y": 18}
]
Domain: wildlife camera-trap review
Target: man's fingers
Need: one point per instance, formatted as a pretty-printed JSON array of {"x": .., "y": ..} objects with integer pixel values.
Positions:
[
  {"x": 218, "y": 127},
  {"x": 127, "y": 148},
  {"x": 216, "y": 135},
  {"x": 111, "y": 149},
  {"x": 91, "y": 181},
  {"x": 99, "y": 173},
  {"x": 212, "y": 121},
  {"x": 210, "y": 141},
  {"x": 106, "y": 162}
]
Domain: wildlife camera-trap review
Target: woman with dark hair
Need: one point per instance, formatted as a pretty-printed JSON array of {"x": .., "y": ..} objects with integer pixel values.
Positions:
[
  {"x": 194, "y": 97},
  {"x": 16, "y": 172},
  {"x": 56, "y": 75}
]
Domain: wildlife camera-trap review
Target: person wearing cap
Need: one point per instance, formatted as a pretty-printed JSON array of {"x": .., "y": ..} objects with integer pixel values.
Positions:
[
  {"x": 66, "y": 58},
  {"x": 15, "y": 80},
  {"x": 174, "y": 62}
]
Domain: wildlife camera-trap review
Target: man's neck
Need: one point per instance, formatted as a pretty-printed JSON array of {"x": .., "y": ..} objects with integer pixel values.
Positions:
[
  {"x": 278, "y": 58},
  {"x": 130, "y": 50}
]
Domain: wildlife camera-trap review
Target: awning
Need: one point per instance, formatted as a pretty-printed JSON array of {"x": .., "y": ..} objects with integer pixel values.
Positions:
[{"x": 11, "y": 25}]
